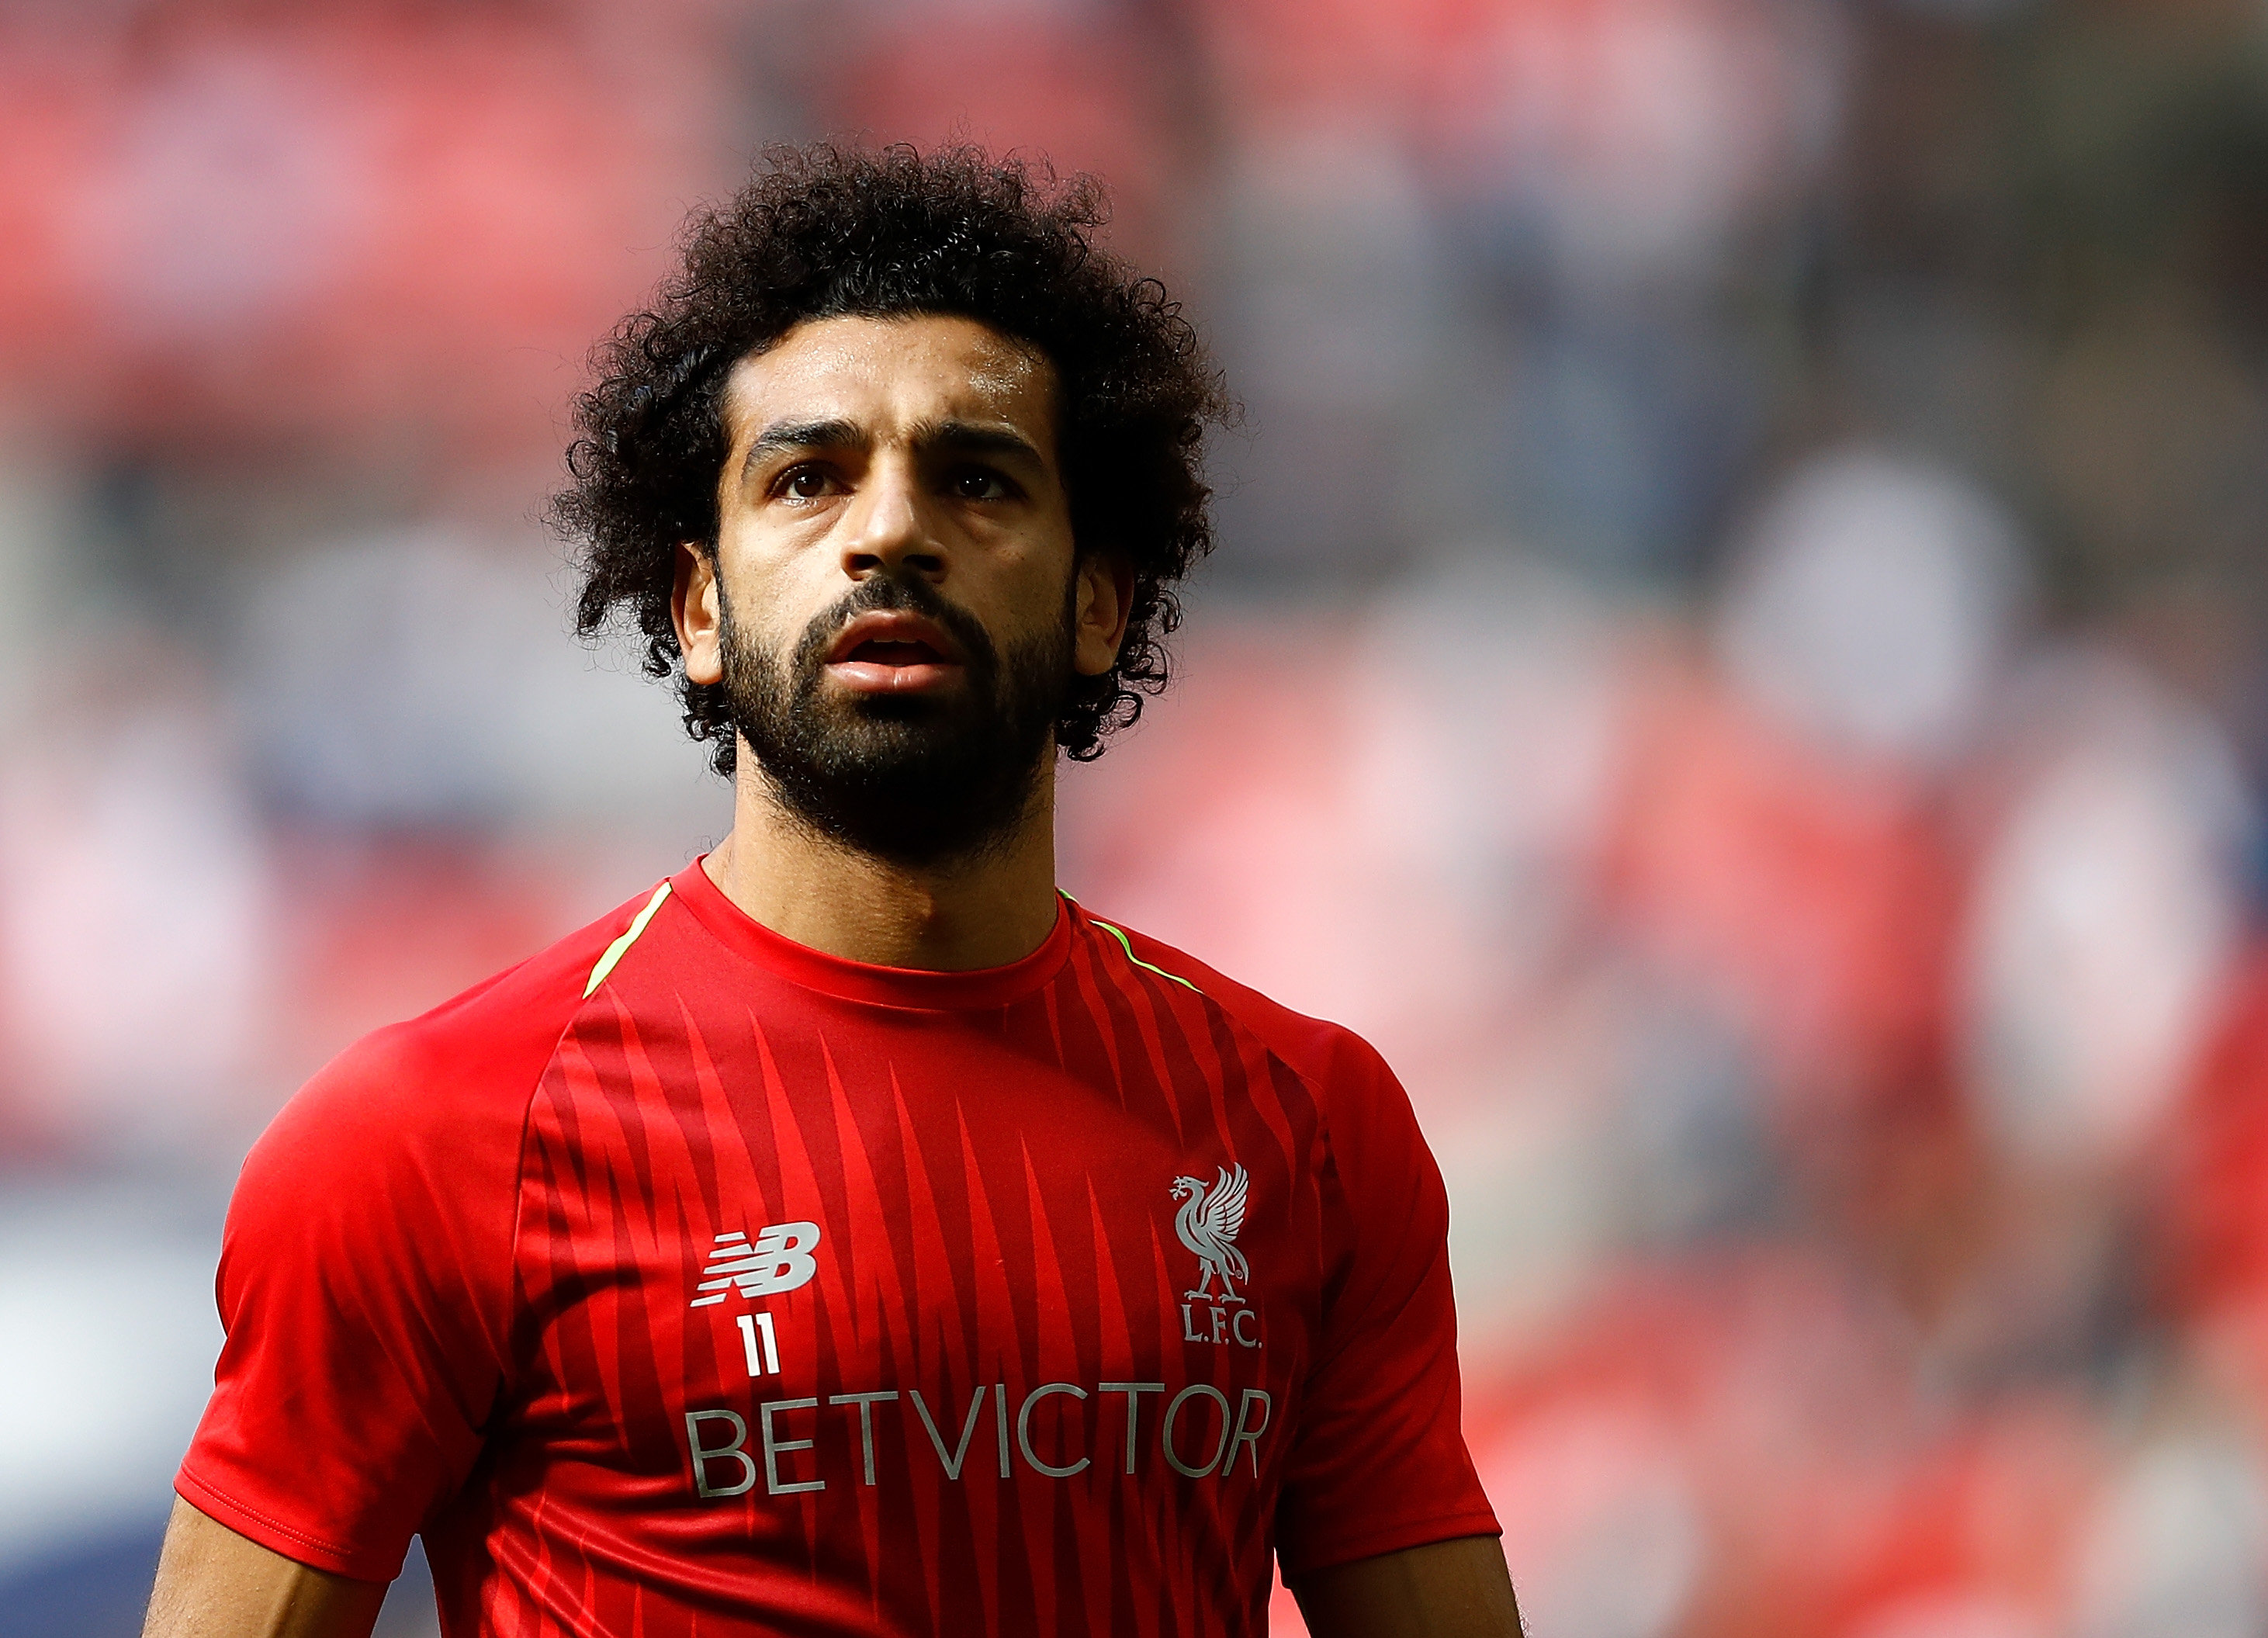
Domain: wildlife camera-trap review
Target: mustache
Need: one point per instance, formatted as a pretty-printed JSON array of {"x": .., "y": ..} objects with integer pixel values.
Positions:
[{"x": 894, "y": 592}]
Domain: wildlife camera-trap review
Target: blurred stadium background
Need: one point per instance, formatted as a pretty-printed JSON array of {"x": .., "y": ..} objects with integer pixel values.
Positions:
[{"x": 1738, "y": 662}]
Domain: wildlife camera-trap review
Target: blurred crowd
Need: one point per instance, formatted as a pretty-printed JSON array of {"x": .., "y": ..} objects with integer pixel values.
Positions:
[{"x": 1739, "y": 660}]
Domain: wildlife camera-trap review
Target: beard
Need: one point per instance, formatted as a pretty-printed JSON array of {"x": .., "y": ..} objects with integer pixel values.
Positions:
[{"x": 918, "y": 780}]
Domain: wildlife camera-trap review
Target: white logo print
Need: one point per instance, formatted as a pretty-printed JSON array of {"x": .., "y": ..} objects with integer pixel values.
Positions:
[
  {"x": 1207, "y": 1224},
  {"x": 780, "y": 1260}
]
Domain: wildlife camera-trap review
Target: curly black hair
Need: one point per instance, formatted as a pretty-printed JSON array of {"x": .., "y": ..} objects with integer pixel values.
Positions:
[{"x": 825, "y": 231}]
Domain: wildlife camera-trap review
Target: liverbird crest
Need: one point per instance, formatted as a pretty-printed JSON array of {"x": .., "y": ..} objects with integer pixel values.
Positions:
[{"x": 1208, "y": 1222}]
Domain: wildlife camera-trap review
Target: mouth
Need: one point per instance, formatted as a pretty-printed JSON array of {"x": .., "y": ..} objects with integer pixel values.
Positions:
[{"x": 892, "y": 652}]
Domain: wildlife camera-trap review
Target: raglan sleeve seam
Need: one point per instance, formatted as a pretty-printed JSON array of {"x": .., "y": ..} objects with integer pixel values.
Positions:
[
  {"x": 509, "y": 1362},
  {"x": 1343, "y": 1204}
]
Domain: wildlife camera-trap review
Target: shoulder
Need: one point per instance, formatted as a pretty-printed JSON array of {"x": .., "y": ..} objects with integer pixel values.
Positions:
[
  {"x": 1382, "y": 1182},
  {"x": 447, "y": 1089},
  {"x": 1346, "y": 1072},
  {"x": 366, "y": 1271}
]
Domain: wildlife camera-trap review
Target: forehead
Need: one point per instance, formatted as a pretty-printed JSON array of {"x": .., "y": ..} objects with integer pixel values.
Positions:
[{"x": 892, "y": 374}]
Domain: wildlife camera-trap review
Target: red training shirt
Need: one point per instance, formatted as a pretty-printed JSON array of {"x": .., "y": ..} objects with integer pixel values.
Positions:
[{"x": 686, "y": 1278}]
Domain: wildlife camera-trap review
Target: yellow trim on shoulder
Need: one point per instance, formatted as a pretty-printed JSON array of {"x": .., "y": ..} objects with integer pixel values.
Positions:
[
  {"x": 1128, "y": 947},
  {"x": 621, "y": 947}
]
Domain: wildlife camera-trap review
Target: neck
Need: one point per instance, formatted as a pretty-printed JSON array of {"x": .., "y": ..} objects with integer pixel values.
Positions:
[{"x": 985, "y": 910}]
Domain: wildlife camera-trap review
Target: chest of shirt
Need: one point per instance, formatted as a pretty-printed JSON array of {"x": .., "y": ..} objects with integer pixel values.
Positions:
[{"x": 775, "y": 1257}]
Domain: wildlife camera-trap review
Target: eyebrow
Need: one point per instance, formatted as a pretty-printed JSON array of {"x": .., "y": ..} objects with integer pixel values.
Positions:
[
  {"x": 976, "y": 437},
  {"x": 929, "y": 437},
  {"x": 780, "y": 435}
]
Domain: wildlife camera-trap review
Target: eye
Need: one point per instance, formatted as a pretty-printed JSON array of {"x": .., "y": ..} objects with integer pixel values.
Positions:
[
  {"x": 975, "y": 483},
  {"x": 804, "y": 483}
]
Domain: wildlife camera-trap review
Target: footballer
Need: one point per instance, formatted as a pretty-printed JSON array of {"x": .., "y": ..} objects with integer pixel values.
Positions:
[{"x": 851, "y": 1234}]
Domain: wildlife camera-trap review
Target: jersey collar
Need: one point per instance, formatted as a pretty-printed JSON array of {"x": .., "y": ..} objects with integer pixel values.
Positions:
[{"x": 913, "y": 987}]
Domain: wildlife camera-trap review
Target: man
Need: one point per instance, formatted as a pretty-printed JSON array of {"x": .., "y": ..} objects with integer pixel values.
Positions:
[{"x": 852, "y": 1235}]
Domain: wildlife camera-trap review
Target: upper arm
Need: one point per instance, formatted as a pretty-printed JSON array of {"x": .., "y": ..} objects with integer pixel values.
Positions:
[
  {"x": 1455, "y": 1588},
  {"x": 365, "y": 1291},
  {"x": 1380, "y": 1462},
  {"x": 215, "y": 1583}
]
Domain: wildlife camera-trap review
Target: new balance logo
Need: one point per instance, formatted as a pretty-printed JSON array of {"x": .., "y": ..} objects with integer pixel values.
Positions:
[{"x": 779, "y": 1260}]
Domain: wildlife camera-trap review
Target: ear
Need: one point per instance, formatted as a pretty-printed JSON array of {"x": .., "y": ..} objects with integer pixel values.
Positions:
[
  {"x": 696, "y": 609},
  {"x": 1104, "y": 597}
]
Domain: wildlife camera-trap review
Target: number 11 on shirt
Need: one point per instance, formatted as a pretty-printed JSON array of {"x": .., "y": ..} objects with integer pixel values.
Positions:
[{"x": 769, "y": 1360}]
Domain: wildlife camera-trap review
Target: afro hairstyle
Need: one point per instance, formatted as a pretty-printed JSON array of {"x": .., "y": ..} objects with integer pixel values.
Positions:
[{"x": 825, "y": 231}]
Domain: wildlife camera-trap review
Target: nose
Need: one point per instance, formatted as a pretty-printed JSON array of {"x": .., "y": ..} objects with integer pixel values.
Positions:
[{"x": 888, "y": 529}]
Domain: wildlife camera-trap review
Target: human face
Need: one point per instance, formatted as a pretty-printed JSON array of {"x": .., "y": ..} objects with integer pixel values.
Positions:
[{"x": 894, "y": 603}]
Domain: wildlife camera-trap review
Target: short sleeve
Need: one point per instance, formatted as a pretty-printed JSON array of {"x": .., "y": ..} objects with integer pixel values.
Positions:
[
  {"x": 365, "y": 1289},
  {"x": 1379, "y": 1462}
]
